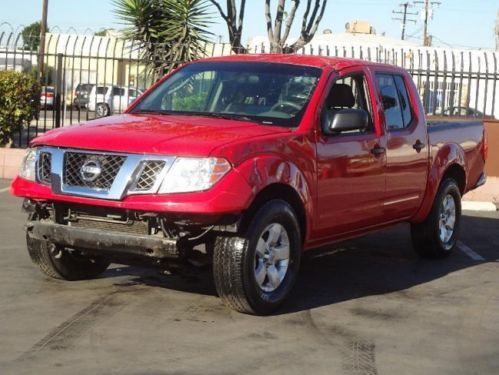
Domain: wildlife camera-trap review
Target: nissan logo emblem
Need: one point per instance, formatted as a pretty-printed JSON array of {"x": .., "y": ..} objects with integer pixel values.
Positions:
[{"x": 90, "y": 170}]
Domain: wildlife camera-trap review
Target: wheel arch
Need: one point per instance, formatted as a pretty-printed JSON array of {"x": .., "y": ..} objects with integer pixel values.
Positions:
[
  {"x": 278, "y": 191},
  {"x": 448, "y": 162},
  {"x": 456, "y": 172}
]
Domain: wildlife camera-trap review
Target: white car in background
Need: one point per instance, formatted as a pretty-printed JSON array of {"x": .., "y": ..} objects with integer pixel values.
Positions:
[
  {"x": 47, "y": 97},
  {"x": 105, "y": 100}
]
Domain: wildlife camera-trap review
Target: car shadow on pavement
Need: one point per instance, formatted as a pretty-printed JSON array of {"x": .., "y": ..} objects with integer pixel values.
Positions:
[{"x": 377, "y": 264}]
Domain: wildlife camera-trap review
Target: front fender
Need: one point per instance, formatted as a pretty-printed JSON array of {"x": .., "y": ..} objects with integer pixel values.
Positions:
[
  {"x": 443, "y": 158},
  {"x": 264, "y": 171}
]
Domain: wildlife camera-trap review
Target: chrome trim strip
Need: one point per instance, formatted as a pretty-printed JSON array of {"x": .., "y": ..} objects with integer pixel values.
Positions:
[
  {"x": 127, "y": 175},
  {"x": 389, "y": 203}
]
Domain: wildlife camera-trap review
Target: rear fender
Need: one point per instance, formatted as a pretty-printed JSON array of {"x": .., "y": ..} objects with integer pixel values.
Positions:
[{"x": 448, "y": 156}]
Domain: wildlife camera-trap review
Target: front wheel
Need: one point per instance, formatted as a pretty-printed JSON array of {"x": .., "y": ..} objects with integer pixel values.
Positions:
[
  {"x": 62, "y": 263},
  {"x": 255, "y": 273},
  {"x": 436, "y": 237}
]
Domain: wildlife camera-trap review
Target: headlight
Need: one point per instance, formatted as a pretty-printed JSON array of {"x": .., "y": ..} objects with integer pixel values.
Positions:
[
  {"x": 28, "y": 165},
  {"x": 194, "y": 174}
]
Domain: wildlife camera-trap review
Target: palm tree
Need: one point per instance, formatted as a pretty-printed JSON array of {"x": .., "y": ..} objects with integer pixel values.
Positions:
[{"x": 169, "y": 32}]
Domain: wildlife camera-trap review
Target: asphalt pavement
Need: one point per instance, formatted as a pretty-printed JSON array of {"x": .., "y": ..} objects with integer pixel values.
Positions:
[{"x": 367, "y": 306}]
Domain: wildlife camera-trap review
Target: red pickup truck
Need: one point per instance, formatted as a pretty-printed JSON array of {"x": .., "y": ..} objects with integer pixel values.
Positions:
[{"x": 242, "y": 163}]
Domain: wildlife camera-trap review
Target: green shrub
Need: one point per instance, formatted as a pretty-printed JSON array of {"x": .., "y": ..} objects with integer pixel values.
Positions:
[{"x": 19, "y": 103}]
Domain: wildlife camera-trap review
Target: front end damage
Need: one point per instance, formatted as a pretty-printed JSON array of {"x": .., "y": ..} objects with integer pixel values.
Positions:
[{"x": 169, "y": 241}]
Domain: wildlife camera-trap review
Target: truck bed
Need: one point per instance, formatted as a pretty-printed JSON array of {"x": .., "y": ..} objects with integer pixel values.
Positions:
[{"x": 468, "y": 135}]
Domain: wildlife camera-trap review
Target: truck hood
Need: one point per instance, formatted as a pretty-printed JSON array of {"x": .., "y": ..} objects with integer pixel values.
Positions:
[{"x": 156, "y": 134}]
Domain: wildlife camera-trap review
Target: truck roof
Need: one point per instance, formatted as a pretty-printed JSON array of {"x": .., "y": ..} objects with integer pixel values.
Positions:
[{"x": 337, "y": 63}]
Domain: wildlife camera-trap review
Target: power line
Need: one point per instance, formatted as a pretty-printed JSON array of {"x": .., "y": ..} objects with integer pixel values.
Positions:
[
  {"x": 404, "y": 18},
  {"x": 428, "y": 13}
]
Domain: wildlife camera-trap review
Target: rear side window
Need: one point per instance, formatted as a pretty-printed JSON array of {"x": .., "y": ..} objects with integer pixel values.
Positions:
[
  {"x": 405, "y": 103},
  {"x": 101, "y": 90},
  {"x": 395, "y": 100},
  {"x": 118, "y": 91}
]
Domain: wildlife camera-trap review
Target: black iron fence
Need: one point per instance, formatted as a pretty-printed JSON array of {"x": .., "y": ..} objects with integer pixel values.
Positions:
[{"x": 92, "y": 76}]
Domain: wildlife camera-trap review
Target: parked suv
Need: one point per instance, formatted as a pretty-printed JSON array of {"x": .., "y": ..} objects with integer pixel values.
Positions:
[
  {"x": 105, "y": 100},
  {"x": 82, "y": 93}
]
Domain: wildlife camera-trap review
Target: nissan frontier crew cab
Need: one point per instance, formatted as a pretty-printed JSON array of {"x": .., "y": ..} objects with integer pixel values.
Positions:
[{"x": 243, "y": 163}]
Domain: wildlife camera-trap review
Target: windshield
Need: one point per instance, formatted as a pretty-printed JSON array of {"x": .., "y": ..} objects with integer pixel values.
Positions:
[{"x": 270, "y": 93}]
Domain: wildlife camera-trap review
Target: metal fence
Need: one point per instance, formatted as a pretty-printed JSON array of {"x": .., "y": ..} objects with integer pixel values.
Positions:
[{"x": 91, "y": 76}]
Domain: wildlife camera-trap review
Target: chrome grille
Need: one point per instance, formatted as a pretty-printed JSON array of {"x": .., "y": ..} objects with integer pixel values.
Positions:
[
  {"x": 44, "y": 167},
  {"x": 101, "y": 175},
  {"x": 109, "y": 164},
  {"x": 149, "y": 175}
]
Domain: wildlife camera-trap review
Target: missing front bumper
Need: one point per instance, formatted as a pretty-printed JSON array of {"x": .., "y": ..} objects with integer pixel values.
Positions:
[{"x": 103, "y": 242}]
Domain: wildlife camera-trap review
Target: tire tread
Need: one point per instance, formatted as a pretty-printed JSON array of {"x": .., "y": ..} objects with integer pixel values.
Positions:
[{"x": 228, "y": 273}]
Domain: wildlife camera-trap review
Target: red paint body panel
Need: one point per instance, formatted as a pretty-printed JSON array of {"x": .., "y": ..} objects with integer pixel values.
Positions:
[
  {"x": 152, "y": 134},
  {"x": 345, "y": 190},
  {"x": 231, "y": 195}
]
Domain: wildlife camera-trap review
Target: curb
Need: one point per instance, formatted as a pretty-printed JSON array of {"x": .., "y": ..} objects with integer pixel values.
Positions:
[{"x": 479, "y": 206}]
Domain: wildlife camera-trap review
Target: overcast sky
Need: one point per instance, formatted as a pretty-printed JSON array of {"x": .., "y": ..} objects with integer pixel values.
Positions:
[{"x": 459, "y": 23}]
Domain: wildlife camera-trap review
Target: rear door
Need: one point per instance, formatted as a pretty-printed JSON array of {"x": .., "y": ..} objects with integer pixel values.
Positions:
[
  {"x": 119, "y": 99},
  {"x": 407, "y": 152},
  {"x": 351, "y": 180}
]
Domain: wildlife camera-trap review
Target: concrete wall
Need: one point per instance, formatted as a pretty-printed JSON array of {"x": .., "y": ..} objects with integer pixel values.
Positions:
[
  {"x": 10, "y": 159},
  {"x": 492, "y": 131}
]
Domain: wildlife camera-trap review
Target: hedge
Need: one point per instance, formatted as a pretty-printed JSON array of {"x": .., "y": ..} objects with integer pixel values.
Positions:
[{"x": 19, "y": 103}]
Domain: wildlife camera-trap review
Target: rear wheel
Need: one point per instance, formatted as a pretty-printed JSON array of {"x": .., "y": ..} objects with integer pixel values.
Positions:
[
  {"x": 62, "y": 263},
  {"x": 436, "y": 237},
  {"x": 102, "y": 110},
  {"x": 255, "y": 273}
]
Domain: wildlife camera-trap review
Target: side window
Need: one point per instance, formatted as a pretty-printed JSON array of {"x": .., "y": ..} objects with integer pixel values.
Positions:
[
  {"x": 118, "y": 91},
  {"x": 391, "y": 103},
  {"x": 405, "y": 103},
  {"x": 396, "y": 103},
  {"x": 350, "y": 92}
]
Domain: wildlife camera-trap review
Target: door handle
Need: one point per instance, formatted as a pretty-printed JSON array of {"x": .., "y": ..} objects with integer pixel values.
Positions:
[
  {"x": 378, "y": 150},
  {"x": 418, "y": 146}
]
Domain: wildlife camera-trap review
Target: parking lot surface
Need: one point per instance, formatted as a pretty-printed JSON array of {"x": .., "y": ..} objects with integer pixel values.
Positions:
[{"x": 366, "y": 306}]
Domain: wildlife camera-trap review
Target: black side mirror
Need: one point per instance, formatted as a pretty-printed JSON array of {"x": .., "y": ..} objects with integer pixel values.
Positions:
[
  {"x": 388, "y": 95},
  {"x": 345, "y": 120}
]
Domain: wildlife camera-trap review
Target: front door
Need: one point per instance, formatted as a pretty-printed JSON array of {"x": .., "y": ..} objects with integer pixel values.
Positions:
[{"x": 351, "y": 181}]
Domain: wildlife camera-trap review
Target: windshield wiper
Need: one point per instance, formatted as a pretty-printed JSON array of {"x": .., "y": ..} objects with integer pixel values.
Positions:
[
  {"x": 227, "y": 116},
  {"x": 153, "y": 111}
]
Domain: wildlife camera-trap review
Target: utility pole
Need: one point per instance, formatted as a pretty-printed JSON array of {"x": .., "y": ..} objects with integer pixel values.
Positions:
[
  {"x": 428, "y": 9},
  {"x": 43, "y": 31},
  {"x": 404, "y": 18},
  {"x": 497, "y": 31}
]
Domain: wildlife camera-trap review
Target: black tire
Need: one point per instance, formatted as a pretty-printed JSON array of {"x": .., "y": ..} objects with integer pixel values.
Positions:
[
  {"x": 426, "y": 236},
  {"x": 102, "y": 110},
  {"x": 63, "y": 264},
  {"x": 234, "y": 261}
]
